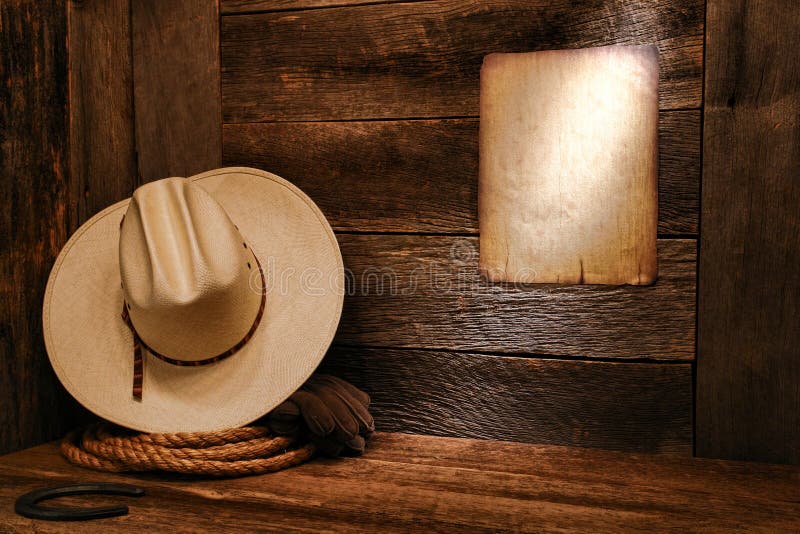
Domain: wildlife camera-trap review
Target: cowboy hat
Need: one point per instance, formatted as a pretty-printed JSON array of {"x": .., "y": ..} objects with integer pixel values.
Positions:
[{"x": 198, "y": 304}]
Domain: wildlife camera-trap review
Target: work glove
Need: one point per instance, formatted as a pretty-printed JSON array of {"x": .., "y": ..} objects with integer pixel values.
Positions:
[{"x": 331, "y": 411}]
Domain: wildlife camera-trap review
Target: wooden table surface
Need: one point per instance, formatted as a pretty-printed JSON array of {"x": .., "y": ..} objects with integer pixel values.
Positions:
[{"x": 407, "y": 482}]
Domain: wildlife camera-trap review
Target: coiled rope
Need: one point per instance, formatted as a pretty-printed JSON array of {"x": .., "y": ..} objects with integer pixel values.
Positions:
[{"x": 226, "y": 453}]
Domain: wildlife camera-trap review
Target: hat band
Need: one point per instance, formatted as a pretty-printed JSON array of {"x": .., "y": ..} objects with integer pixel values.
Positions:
[{"x": 138, "y": 358}]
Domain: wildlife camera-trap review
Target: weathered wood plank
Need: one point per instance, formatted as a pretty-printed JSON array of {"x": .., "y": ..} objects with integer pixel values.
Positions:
[
  {"x": 673, "y": 472},
  {"x": 35, "y": 219},
  {"x": 425, "y": 292},
  {"x": 254, "y": 6},
  {"x": 748, "y": 375},
  {"x": 422, "y": 176},
  {"x": 406, "y": 176},
  {"x": 406, "y": 482},
  {"x": 642, "y": 407},
  {"x": 423, "y": 59},
  {"x": 679, "y": 172},
  {"x": 102, "y": 142},
  {"x": 176, "y": 87}
]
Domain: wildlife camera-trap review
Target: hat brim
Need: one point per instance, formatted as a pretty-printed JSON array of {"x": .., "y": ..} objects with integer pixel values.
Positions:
[{"x": 91, "y": 348}]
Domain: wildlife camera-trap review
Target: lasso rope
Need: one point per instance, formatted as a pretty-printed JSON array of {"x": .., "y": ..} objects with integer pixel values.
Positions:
[{"x": 226, "y": 453}]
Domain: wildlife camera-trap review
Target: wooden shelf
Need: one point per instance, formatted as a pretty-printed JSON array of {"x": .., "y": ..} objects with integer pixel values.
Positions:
[{"x": 419, "y": 482}]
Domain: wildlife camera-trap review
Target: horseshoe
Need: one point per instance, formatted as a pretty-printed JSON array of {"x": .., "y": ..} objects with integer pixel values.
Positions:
[{"x": 27, "y": 505}]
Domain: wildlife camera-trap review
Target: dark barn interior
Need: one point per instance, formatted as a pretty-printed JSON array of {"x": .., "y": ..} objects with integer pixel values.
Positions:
[{"x": 372, "y": 109}]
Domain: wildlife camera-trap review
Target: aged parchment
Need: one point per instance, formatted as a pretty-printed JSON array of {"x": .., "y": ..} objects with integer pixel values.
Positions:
[{"x": 568, "y": 188}]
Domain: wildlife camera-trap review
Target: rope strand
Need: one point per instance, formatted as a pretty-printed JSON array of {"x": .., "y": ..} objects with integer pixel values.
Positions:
[{"x": 227, "y": 453}]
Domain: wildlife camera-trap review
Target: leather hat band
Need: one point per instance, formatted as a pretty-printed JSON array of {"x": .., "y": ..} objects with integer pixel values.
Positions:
[{"x": 138, "y": 344}]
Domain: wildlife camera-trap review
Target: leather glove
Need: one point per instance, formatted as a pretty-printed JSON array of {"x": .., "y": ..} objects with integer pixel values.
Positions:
[{"x": 332, "y": 411}]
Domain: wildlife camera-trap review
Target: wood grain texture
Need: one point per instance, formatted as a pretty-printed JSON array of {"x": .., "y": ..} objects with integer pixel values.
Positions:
[
  {"x": 255, "y": 6},
  {"x": 641, "y": 407},
  {"x": 425, "y": 292},
  {"x": 748, "y": 374},
  {"x": 397, "y": 176},
  {"x": 176, "y": 87},
  {"x": 679, "y": 172},
  {"x": 422, "y": 176},
  {"x": 409, "y": 483},
  {"x": 35, "y": 218},
  {"x": 423, "y": 59},
  {"x": 102, "y": 144}
]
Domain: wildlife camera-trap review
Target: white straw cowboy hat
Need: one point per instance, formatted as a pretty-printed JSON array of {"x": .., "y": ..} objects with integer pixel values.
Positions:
[{"x": 232, "y": 286}]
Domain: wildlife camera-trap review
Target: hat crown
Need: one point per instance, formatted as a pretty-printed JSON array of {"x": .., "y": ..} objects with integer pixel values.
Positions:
[{"x": 190, "y": 281}]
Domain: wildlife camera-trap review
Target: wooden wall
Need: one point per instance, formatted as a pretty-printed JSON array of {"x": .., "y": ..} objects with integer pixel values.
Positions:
[
  {"x": 748, "y": 374},
  {"x": 35, "y": 214},
  {"x": 70, "y": 146},
  {"x": 373, "y": 111},
  {"x": 371, "y": 108}
]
